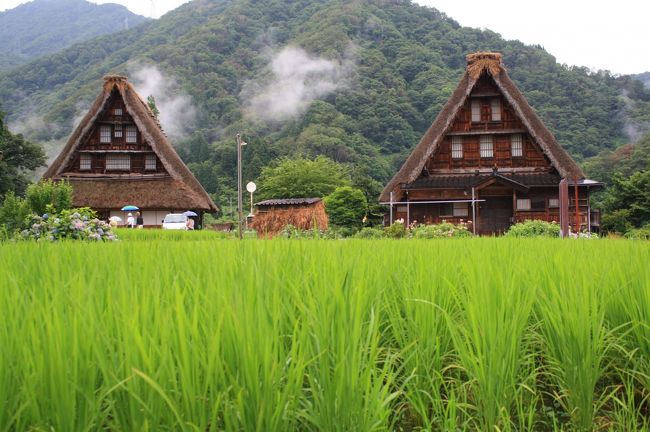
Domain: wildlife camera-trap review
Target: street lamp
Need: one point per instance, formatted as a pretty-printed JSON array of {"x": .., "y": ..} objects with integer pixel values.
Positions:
[{"x": 240, "y": 143}]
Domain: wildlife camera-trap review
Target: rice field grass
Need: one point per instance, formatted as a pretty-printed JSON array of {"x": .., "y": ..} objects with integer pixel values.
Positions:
[{"x": 156, "y": 334}]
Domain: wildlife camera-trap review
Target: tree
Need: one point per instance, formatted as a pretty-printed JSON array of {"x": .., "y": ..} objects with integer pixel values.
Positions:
[
  {"x": 17, "y": 157},
  {"x": 346, "y": 207},
  {"x": 57, "y": 195},
  {"x": 628, "y": 199},
  {"x": 301, "y": 178},
  {"x": 151, "y": 102}
]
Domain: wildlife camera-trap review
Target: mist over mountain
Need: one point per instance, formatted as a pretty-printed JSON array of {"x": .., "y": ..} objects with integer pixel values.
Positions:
[
  {"x": 358, "y": 81},
  {"x": 43, "y": 27}
]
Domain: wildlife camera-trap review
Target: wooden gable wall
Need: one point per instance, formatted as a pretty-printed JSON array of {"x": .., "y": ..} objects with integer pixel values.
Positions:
[
  {"x": 486, "y": 94},
  {"x": 115, "y": 118}
]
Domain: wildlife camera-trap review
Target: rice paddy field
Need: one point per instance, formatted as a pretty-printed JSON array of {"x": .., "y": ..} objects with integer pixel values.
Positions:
[{"x": 197, "y": 333}]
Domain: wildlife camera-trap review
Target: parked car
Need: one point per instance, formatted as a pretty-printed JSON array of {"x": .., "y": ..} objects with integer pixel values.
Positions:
[{"x": 175, "y": 221}]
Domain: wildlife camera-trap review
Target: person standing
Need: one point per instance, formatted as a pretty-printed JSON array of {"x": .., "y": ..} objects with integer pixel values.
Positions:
[
  {"x": 190, "y": 223},
  {"x": 139, "y": 220},
  {"x": 130, "y": 221}
]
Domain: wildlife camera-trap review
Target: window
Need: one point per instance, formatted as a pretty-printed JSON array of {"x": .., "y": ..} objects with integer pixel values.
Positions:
[
  {"x": 487, "y": 146},
  {"x": 460, "y": 209},
  {"x": 523, "y": 203},
  {"x": 117, "y": 111},
  {"x": 105, "y": 134},
  {"x": 553, "y": 202},
  {"x": 446, "y": 210},
  {"x": 85, "y": 161},
  {"x": 131, "y": 134},
  {"x": 456, "y": 147},
  {"x": 476, "y": 111},
  {"x": 118, "y": 162},
  {"x": 117, "y": 132},
  {"x": 150, "y": 162},
  {"x": 496, "y": 109},
  {"x": 538, "y": 203},
  {"x": 516, "y": 146}
]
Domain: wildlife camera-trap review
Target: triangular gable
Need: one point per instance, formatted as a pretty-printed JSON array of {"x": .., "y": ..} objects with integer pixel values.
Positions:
[
  {"x": 479, "y": 64},
  {"x": 149, "y": 128}
]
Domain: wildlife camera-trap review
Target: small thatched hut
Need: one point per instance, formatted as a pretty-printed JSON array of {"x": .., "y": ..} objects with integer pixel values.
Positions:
[
  {"x": 119, "y": 155},
  {"x": 275, "y": 214}
]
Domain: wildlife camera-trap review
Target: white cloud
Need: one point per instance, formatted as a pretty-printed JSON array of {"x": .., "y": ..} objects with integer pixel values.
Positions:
[{"x": 294, "y": 78}]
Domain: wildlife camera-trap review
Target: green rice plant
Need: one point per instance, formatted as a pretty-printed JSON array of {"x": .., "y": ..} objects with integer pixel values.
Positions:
[
  {"x": 488, "y": 334},
  {"x": 571, "y": 311}
]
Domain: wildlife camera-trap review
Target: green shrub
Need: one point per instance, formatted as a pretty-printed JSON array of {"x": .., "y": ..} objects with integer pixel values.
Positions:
[
  {"x": 370, "y": 233},
  {"x": 396, "y": 230},
  {"x": 14, "y": 214},
  {"x": 534, "y": 228},
  {"x": 639, "y": 233},
  {"x": 76, "y": 224},
  {"x": 617, "y": 221},
  {"x": 442, "y": 230},
  {"x": 346, "y": 207},
  {"x": 46, "y": 193}
]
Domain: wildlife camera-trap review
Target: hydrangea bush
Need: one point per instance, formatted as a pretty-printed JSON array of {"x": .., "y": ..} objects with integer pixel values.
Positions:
[
  {"x": 441, "y": 230},
  {"x": 75, "y": 224}
]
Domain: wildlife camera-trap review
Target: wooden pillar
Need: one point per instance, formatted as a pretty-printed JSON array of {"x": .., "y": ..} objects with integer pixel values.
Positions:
[
  {"x": 577, "y": 209},
  {"x": 564, "y": 207}
]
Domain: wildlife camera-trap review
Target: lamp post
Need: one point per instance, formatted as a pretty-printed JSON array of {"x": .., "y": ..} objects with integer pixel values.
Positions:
[{"x": 240, "y": 143}]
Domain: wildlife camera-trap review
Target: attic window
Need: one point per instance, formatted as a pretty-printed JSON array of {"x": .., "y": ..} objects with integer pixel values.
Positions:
[
  {"x": 131, "y": 134},
  {"x": 476, "y": 111},
  {"x": 516, "y": 146},
  {"x": 105, "y": 134},
  {"x": 456, "y": 147},
  {"x": 495, "y": 105},
  {"x": 150, "y": 162},
  {"x": 117, "y": 111},
  {"x": 118, "y": 131},
  {"x": 84, "y": 162},
  {"x": 487, "y": 146},
  {"x": 118, "y": 162}
]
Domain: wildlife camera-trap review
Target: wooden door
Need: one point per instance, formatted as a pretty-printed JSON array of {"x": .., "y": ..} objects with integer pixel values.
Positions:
[{"x": 495, "y": 215}]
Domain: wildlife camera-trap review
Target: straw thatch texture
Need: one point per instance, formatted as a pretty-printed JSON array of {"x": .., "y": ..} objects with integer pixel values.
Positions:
[
  {"x": 152, "y": 134},
  {"x": 484, "y": 63},
  {"x": 270, "y": 220},
  {"x": 152, "y": 194}
]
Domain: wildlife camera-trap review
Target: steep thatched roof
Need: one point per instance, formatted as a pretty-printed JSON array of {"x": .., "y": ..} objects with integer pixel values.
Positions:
[
  {"x": 150, "y": 191},
  {"x": 479, "y": 64}
]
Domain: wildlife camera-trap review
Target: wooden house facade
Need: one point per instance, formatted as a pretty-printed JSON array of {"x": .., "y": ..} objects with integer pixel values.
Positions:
[
  {"x": 119, "y": 155},
  {"x": 489, "y": 160}
]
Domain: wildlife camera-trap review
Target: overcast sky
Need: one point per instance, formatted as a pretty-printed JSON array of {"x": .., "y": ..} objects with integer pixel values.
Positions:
[{"x": 597, "y": 34}]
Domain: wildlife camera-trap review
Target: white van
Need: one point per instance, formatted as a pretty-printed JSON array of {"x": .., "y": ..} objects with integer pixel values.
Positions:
[{"x": 175, "y": 221}]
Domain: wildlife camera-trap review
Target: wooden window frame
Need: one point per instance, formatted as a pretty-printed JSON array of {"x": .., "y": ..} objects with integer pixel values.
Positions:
[
  {"x": 118, "y": 112},
  {"x": 118, "y": 162},
  {"x": 475, "y": 110},
  {"x": 131, "y": 134},
  {"x": 450, "y": 210},
  {"x": 516, "y": 146},
  {"x": 105, "y": 133},
  {"x": 118, "y": 131},
  {"x": 85, "y": 162},
  {"x": 456, "y": 147},
  {"x": 495, "y": 114},
  {"x": 523, "y": 204},
  {"x": 461, "y": 209},
  {"x": 486, "y": 142},
  {"x": 150, "y": 162},
  {"x": 554, "y": 202}
]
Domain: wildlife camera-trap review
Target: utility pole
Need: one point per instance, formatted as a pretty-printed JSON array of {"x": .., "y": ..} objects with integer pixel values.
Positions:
[{"x": 240, "y": 143}]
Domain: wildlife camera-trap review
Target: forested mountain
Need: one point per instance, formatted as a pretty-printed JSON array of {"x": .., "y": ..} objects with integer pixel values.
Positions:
[
  {"x": 43, "y": 27},
  {"x": 644, "y": 78},
  {"x": 358, "y": 81}
]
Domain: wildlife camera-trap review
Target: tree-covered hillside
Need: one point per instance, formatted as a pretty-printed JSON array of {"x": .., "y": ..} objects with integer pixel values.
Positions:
[
  {"x": 358, "y": 81},
  {"x": 43, "y": 27}
]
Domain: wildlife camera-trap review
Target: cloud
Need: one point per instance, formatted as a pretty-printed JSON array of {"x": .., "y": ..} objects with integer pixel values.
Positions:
[
  {"x": 293, "y": 79},
  {"x": 177, "y": 112}
]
